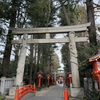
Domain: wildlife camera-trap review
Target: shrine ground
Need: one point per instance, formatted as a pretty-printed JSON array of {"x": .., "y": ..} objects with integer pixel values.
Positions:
[
  {"x": 51, "y": 93},
  {"x": 54, "y": 92}
]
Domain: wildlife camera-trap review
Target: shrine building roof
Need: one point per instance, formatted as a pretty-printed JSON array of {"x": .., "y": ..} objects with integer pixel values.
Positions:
[{"x": 94, "y": 58}]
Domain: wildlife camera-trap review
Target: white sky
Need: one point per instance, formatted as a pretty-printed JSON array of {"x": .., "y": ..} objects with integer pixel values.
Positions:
[{"x": 57, "y": 51}]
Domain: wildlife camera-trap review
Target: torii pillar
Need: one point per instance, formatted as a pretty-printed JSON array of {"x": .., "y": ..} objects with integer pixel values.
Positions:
[
  {"x": 21, "y": 64},
  {"x": 75, "y": 89},
  {"x": 21, "y": 61}
]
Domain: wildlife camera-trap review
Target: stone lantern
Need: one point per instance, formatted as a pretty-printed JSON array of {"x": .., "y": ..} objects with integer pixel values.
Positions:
[
  {"x": 39, "y": 79},
  {"x": 48, "y": 80}
]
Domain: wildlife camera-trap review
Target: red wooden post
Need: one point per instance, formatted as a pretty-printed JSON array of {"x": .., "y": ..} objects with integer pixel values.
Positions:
[
  {"x": 39, "y": 82},
  {"x": 16, "y": 94},
  {"x": 65, "y": 94},
  {"x": 34, "y": 87}
]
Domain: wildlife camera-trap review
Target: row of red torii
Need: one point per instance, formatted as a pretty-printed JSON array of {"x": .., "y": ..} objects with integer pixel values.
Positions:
[{"x": 71, "y": 39}]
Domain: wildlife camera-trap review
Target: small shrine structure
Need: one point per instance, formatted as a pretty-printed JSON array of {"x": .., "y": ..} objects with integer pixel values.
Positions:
[{"x": 95, "y": 60}]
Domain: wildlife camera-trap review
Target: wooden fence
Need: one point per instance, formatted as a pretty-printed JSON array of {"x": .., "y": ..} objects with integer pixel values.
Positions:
[{"x": 5, "y": 84}]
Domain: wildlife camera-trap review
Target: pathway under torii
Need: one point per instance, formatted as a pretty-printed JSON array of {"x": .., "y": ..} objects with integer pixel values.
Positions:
[
  {"x": 71, "y": 39},
  {"x": 52, "y": 93}
]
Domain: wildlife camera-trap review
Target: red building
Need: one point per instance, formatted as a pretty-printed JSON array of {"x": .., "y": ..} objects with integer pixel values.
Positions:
[{"x": 95, "y": 60}]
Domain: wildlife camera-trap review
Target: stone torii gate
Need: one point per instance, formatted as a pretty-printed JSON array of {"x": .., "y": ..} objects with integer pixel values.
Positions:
[{"x": 56, "y": 30}]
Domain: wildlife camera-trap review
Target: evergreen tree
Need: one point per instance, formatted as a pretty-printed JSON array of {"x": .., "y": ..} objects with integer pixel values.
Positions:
[{"x": 90, "y": 18}]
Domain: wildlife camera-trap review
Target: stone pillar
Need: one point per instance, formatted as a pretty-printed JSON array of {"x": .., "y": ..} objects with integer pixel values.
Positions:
[
  {"x": 73, "y": 60},
  {"x": 85, "y": 85},
  {"x": 21, "y": 61},
  {"x": 55, "y": 76},
  {"x": 96, "y": 85},
  {"x": 3, "y": 80},
  {"x": 90, "y": 84},
  {"x": 47, "y": 35},
  {"x": 14, "y": 81},
  {"x": 75, "y": 88}
]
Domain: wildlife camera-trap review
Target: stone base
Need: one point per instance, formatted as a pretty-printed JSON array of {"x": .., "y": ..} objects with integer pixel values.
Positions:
[
  {"x": 12, "y": 91},
  {"x": 74, "y": 92},
  {"x": 9, "y": 98}
]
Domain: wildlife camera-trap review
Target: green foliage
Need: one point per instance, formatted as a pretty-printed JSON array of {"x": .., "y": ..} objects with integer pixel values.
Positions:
[
  {"x": 99, "y": 28},
  {"x": 46, "y": 56},
  {"x": 39, "y": 13},
  {"x": 1, "y": 70},
  {"x": 71, "y": 10},
  {"x": 1, "y": 98},
  {"x": 92, "y": 95},
  {"x": 12, "y": 69},
  {"x": 4, "y": 12},
  {"x": 84, "y": 53},
  {"x": 27, "y": 72},
  {"x": 64, "y": 52}
]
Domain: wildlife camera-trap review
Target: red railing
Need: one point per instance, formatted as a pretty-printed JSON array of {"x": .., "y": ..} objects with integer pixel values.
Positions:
[{"x": 19, "y": 93}]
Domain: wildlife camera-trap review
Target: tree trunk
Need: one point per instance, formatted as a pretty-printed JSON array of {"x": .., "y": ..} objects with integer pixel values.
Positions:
[
  {"x": 69, "y": 23},
  {"x": 37, "y": 66},
  {"x": 31, "y": 62},
  {"x": 90, "y": 18},
  {"x": 66, "y": 15},
  {"x": 7, "y": 52}
]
